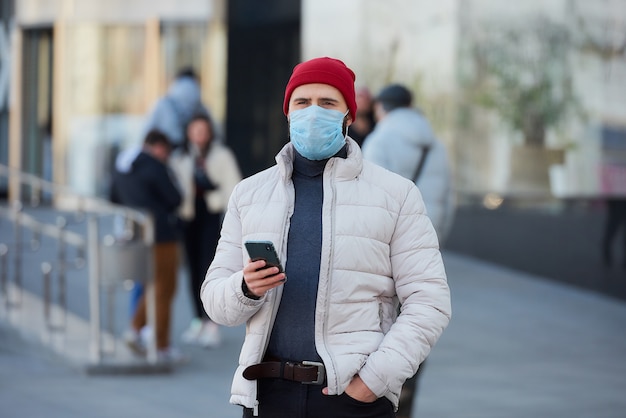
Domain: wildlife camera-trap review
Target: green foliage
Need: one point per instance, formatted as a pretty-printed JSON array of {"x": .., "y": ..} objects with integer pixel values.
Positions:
[{"x": 523, "y": 74}]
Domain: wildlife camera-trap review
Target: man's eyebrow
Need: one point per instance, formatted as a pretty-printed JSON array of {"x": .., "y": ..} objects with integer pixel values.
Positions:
[{"x": 308, "y": 99}]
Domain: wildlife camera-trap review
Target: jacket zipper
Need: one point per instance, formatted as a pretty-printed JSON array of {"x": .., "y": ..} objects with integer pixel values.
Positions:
[
  {"x": 274, "y": 297},
  {"x": 328, "y": 271}
]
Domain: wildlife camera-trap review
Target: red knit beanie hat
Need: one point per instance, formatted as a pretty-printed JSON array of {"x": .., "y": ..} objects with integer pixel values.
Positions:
[{"x": 323, "y": 70}]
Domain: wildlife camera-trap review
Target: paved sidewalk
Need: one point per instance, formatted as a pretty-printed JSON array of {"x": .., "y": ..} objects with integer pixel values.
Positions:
[
  {"x": 563, "y": 245},
  {"x": 523, "y": 346},
  {"x": 518, "y": 346}
]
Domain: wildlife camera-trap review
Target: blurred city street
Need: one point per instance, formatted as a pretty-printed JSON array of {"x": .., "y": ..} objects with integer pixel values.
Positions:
[
  {"x": 518, "y": 345},
  {"x": 514, "y": 111}
]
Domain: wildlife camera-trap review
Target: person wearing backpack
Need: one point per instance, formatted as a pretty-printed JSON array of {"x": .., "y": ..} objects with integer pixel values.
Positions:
[{"x": 404, "y": 142}]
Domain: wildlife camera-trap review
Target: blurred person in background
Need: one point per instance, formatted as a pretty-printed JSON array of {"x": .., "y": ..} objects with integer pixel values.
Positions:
[
  {"x": 148, "y": 185},
  {"x": 615, "y": 219},
  {"x": 170, "y": 115},
  {"x": 324, "y": 337},
  {"x": 364, "y": 121},
  {"x": 404, "y": 143},
  {"x": 207, "y": 172},
  {"x": 183, "y": 101}
]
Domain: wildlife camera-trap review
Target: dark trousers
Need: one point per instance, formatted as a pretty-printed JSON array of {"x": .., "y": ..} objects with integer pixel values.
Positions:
[
  {"x": 615, "y": 219},
  {"x": 280, "y": 398},
  {"x": 200, "y": 242}
]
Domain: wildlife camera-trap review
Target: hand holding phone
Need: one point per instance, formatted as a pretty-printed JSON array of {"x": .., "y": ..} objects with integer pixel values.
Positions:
[
  {"x": 264, "y": 271},
  {"x": 264, "y": 250}
]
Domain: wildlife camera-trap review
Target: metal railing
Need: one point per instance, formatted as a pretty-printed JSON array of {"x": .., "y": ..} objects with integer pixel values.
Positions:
[{"x": 89, "y": 250}]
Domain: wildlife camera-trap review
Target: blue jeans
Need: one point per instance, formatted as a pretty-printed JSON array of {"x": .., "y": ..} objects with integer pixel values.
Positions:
[{"x": 135, "y": 295}]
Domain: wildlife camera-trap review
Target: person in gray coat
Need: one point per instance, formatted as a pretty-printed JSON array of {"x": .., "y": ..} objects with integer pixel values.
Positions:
[
  {"x": 173, "y": 111},
  {"x": 404, "y": 142}
]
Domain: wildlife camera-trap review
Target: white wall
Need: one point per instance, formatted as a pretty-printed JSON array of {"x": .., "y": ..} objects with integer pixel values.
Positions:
[
  {"x": 417, "y": 42},
  {"x": 408, "y": 41}
]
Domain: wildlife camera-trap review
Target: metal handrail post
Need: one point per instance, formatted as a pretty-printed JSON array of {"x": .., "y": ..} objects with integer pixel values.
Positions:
[
  {"x": 46, "y": 270},
  {"x": 89, "y": 248},
  {"x": 61, "y": 271},
  {"x": 17, "y": 258},
  {"x": 93, "y": 246},
  {"x": 4, "y": 250}
]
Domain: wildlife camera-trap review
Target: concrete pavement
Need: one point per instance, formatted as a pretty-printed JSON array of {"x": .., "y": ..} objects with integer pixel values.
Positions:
[
  {"x": 518, "y": 346},
  {"x": 523, "y": 346},
  {"x": 562, "y": 244}
]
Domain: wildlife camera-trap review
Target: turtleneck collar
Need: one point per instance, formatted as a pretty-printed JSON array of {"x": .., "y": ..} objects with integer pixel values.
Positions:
[{"x": 312, "y": 168}]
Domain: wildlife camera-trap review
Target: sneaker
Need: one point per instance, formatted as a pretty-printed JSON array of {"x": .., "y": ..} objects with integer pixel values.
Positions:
[
  {"x": 191, "y": 334},
  {"x": 146, "y": 335},
  {"x": 209, "y": 336},
  {"x": 171, "y": 355},
  {"x": 134, "y": 341}
]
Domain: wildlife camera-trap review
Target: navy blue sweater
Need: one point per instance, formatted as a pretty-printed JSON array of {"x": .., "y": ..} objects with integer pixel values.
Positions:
[{"x": 293, "y": 335}]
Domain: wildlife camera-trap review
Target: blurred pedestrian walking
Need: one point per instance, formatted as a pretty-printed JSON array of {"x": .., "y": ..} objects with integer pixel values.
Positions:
[
  {"x": 404, "y": 142},
  {"x": 183, "y": 101},
  {"x": 615, "y": 220},
  {"x": 207, "y": 172},
  {"x": 364, "y": 122},
  {"x": 148, "y": 185},
  {"x": 170, "y": 115}
]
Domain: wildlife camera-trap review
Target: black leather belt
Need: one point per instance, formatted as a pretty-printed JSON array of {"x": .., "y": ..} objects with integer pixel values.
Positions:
[{"x": 305, "y": 372}]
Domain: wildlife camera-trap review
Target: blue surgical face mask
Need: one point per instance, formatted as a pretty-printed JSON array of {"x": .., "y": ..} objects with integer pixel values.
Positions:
[{"x": 317, "y": 133}]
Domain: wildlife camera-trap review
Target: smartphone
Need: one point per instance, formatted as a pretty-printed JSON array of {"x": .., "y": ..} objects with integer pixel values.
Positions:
[{"x": 264, "y": 250}]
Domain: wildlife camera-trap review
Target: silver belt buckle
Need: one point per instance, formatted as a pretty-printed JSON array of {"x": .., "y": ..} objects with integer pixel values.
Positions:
[{"x": 321, "y": 372}]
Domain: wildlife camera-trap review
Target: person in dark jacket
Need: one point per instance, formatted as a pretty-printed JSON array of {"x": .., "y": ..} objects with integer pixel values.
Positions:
[{"x": 149, "y": 186}]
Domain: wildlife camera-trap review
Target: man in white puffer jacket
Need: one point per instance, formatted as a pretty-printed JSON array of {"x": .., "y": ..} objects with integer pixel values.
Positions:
[{"x": 324, "y": 335}]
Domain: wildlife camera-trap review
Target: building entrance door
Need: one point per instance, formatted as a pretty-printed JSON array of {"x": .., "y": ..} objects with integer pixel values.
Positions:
[
  {"x": 263, "y": 48},
  {"x": 37, "y": 102}
]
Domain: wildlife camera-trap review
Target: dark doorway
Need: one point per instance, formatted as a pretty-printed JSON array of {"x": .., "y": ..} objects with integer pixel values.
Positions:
[
  {"x": 263, "y": 48},
  {"x": 37, "y": 103},
  {"x": 7, "y": 13}
]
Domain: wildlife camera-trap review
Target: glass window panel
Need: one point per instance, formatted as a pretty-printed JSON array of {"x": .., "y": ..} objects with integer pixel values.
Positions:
[
  {"x": 182, "y": 45},
  {"x": 105, "y": 89}
]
